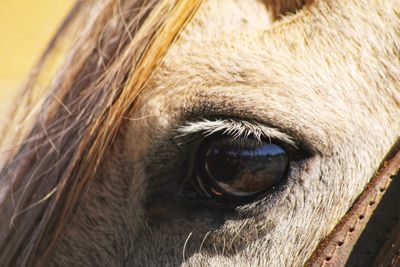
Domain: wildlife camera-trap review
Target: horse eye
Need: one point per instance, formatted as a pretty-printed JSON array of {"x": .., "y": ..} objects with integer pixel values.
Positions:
[{"x": 234, "y": 170}]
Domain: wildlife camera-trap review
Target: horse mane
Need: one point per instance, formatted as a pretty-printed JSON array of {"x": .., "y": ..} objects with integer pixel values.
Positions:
[{"x": 61, "y": 131}]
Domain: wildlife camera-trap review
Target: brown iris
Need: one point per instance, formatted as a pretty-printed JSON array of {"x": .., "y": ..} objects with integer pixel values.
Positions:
[{"x": 233, "y": 169}]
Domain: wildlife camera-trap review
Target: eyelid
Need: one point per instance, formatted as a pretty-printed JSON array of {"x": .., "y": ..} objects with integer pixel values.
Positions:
[{"x": 235, "y": 129}]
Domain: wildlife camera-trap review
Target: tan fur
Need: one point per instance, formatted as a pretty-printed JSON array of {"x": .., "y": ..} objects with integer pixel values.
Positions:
[{"x": 327, "y": 77}]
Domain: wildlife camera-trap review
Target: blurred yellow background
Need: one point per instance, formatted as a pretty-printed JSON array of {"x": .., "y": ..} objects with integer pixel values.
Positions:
[{"x": 25, "y": 28}]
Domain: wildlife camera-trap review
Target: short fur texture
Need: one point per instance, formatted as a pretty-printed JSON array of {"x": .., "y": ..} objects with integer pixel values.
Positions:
[{"x": 327, "y": 78}]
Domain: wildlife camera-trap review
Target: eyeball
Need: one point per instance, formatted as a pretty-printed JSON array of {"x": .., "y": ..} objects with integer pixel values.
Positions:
[{"x": 229, "y": 169}]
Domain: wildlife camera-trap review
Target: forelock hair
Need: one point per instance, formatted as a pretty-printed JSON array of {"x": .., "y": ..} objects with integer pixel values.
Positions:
[{"x": 61, "y": 131}]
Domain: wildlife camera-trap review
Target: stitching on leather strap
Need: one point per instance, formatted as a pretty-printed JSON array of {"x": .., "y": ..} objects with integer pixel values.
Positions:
[
  {"x": 336, "y": 248},
  {"x": 360, "y": 217}
]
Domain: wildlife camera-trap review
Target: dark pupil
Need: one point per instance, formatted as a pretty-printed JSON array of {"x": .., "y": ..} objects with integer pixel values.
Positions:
[{"x": 243, "y": 169}]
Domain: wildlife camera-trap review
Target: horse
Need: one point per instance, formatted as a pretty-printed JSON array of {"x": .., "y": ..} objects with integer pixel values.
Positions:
[{"x": 198, "y": 133}]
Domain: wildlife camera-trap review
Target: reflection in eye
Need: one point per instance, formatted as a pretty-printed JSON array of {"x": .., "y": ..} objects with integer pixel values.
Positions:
[{"x": 228, "y": 169}]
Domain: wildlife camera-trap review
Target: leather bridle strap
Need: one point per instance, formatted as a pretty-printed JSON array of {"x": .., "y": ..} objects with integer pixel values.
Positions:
[{"x": 345, "y": 245}]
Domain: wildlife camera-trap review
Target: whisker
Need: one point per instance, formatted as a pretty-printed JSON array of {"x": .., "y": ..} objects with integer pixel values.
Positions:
[
  {"x": 204, "y": 239},
  {"x": 184, "y": 246}
]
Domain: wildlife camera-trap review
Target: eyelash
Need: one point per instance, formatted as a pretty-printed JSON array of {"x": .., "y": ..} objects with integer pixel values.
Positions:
[
  {"x": 240, "y": 131},
  {"x": 235, "y": 128}
]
